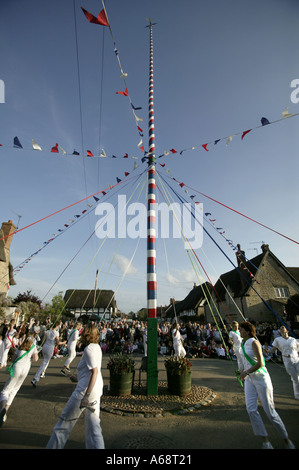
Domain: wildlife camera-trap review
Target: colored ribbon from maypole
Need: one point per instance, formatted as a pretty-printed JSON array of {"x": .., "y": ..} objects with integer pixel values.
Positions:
[{"x": 152, "y": 350}]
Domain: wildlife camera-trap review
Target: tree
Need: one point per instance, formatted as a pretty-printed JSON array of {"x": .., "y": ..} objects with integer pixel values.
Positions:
[
  {"x": 29, "y": 309},
  {"x": 28, "y": 297},
  {"x": 56, "y": 308}
]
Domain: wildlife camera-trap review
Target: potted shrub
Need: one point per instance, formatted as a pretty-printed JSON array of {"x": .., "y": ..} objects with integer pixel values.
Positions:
[
  {"x": 122, "y": 370},
  {"x": 178, "y": 375}
]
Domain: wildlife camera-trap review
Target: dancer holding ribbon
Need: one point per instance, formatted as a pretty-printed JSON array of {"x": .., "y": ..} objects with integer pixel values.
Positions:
[
  {"x": 18, "y": 372},
  {"x": 258, "y": 384},
  {"x": 289, "y": 348},
  {"x": 236, "y": 340},
  {"x": 71, "y": 346},
  {"x": 8, "y": 343},
  {"x": 86, "y": 396}
]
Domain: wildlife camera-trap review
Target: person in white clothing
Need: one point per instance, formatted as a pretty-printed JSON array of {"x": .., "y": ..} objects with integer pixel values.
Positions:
[
  {"x": 177, "y": 339},
  {"x": 8, "y": 343},
  {"x": 236, "y": 340},
  {"x": 51, "y": 340},
  {"x": 289, "y": 348},
  {"x": 18, "y": 370},
  {"x": 86, "y": 396},
  {"x": 258, "y": 385},
  {"x": 71, "y": 346}
]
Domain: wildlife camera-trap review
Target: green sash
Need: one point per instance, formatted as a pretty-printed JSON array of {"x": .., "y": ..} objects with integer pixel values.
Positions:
[
  {"x": 10, "y": 368},
  {"x": 251, "y": 361},
  {"x": 72, "y": 333},
  {"x": 237, "y": 332}
]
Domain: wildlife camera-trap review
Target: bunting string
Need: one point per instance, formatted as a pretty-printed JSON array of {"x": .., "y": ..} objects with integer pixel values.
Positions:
[
  {"x": 103, "y": 20},
  {"x": 67, "y": 226},
  {"x": 119, "y": 181},
  {"x": 57, "y": 149},
  {"x": 181, "y": 184},
  {"x": 268, "y": 306},
  {"x": 92, "y": 260}
]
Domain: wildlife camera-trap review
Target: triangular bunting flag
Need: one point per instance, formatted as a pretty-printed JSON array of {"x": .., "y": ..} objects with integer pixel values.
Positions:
[
  {"x": 89, "y": 154},
  {"x": 125, "y": 93},
  {"x": 205, "y": 147},
  {"x": 286, "y": 114},
  {"x": 229, "y": 139},
  {"x": 264, "y": 121},
  {"x": 101, "y": 19},
  {"x": 17, "y": 143},
  {"x": 35, "y": 145},
  {"x": 244, "y": 133},
  {"x": 55, "y": 149}
]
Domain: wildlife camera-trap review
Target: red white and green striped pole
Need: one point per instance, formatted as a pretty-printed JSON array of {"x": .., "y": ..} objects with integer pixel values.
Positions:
[{"x": 152, "y": 349}]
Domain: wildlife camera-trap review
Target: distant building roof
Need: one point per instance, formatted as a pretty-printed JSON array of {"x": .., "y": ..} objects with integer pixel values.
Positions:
[
  {"x": 84, "y": 298},
  {"x": 192, "y": 300}
]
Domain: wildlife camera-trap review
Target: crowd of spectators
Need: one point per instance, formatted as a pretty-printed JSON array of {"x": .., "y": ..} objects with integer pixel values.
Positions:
[{"x": 130, "y": 336}]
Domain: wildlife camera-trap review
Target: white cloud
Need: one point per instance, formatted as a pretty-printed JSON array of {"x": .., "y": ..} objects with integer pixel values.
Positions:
[{"x": 122, "y": 263}]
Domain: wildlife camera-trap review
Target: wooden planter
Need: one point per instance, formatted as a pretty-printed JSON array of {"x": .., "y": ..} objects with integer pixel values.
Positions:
[
  {"x": 121, "y": 384},
  {"x": 179, "y": 384}
]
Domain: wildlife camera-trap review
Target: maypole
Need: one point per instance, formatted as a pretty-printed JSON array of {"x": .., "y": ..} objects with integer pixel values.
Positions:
[{"x": 152, "y": 350}]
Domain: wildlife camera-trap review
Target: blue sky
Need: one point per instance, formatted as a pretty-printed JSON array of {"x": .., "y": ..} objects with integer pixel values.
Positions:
[{"x": 219, "y": 67}]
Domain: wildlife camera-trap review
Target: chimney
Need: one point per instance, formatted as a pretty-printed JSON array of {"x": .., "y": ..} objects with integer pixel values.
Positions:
[
  {"x": 241, "y": 264},
  {"x": 265, "y": 248},
  {"x": 240, "y": 257},
  {"x": 8, "y": 228}
]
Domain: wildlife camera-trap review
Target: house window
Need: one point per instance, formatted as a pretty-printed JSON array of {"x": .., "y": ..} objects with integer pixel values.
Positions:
[{"x": 282, "y": 292}]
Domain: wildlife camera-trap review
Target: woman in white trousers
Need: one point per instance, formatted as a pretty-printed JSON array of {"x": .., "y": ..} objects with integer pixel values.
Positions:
[
  {"x": 289, "y": 348},
  {"x": 19, "y": 370},
  {"x": 236, "y": 340},
  {"x": 8, "y": 342},
  {"x": 177, "y": 339},
  {"x": 71, "y": 347},
  {"x": 86, "y": 396},
  {"x": 52, "y": 339},
  {"x": 258, "y": 385}
]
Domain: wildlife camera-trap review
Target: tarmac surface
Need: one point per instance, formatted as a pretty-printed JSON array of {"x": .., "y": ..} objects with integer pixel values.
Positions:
[{"x": 215, "y": 418}]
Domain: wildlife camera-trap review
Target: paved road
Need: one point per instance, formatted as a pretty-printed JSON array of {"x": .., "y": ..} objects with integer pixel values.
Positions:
[{"x": 223, "y": 424}]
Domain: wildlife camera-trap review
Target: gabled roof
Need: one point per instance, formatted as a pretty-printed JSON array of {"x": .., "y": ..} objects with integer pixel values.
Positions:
[
  {"x": 239, "y": 286},
  {"x": 294, "y": 272},
  {"x": 192, "y": 300},
  {"x": 84, "y": 298}
]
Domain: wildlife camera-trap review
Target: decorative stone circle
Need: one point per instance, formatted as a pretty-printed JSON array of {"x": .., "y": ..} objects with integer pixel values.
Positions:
[{"x": 140, "y": 404}]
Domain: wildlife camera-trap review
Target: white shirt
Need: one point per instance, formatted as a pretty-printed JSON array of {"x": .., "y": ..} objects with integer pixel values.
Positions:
[
  {"x": 287, "y": 347},
  {"x": 73, "y": 337},
  {"x": 236, "y": 339},
  {"x": 92, "y": 357},
  {"x": 51, "y": 336},
  {"x": 250, "y": 352},
  {"x": 27, "y": 358}
]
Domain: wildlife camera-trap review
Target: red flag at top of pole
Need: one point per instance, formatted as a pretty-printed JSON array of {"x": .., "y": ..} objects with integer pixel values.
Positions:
[{"x": 101, "y": 19}]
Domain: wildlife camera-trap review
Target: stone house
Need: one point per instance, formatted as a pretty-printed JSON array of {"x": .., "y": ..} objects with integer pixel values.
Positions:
[
  {"x": 248, "y": 289},
  {"x": 6, "y": 269}
]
